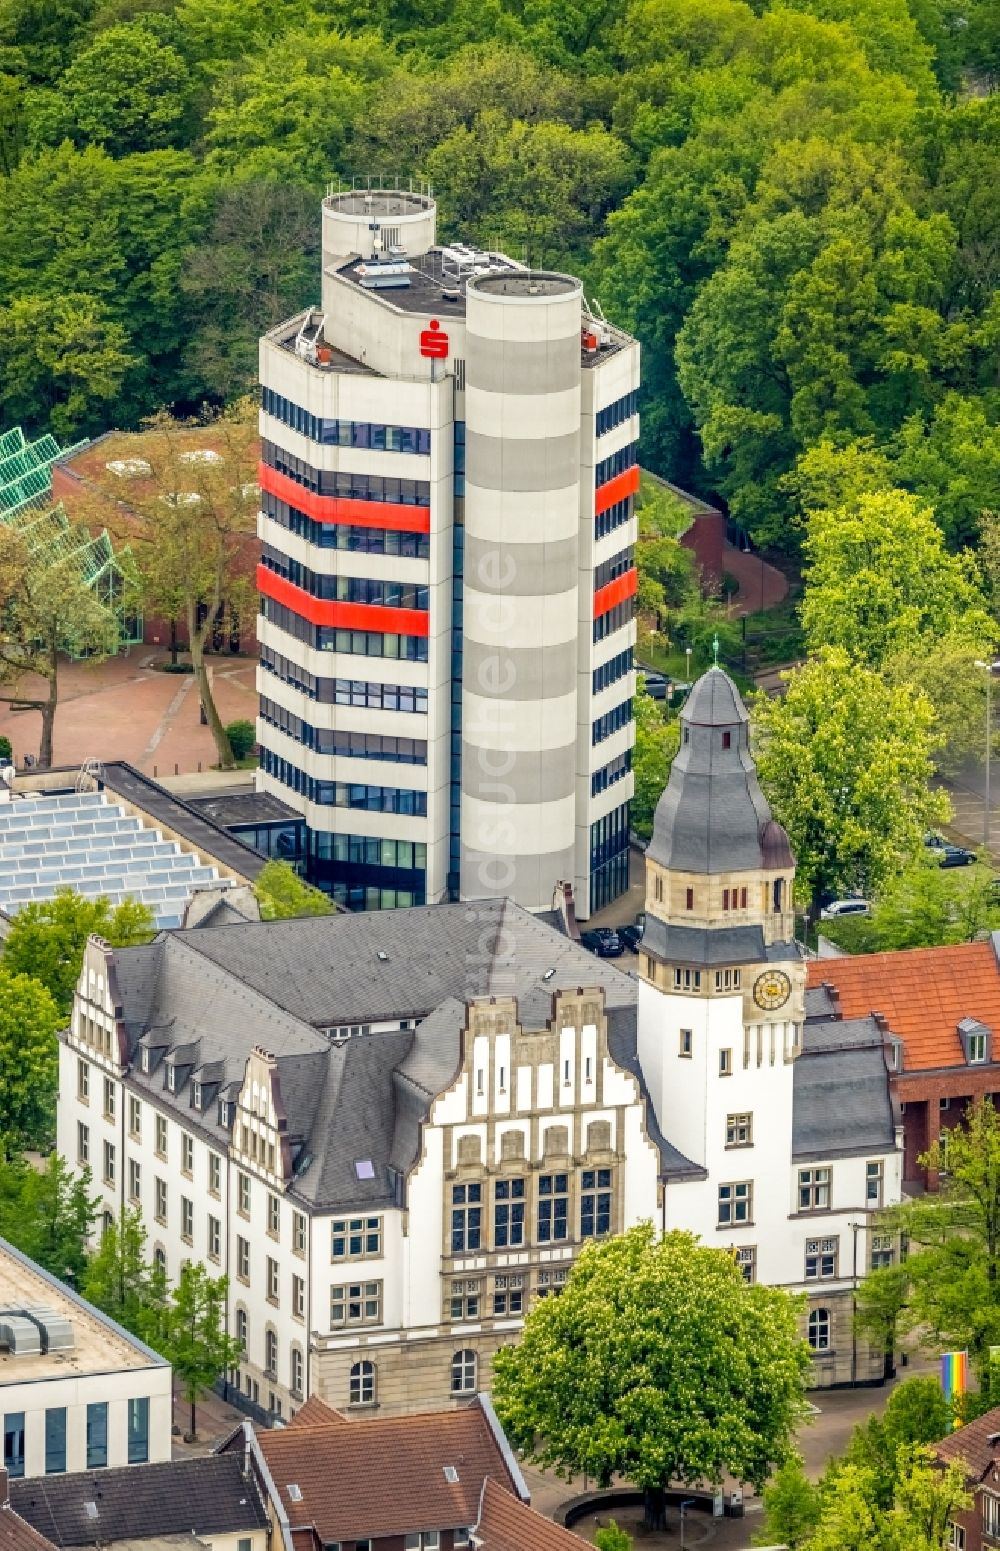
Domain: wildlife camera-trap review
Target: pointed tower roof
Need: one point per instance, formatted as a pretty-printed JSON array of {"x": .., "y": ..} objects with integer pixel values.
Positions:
[{"x": 713, "y": 816}]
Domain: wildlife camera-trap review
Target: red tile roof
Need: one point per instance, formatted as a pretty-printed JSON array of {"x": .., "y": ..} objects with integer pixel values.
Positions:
[
  {"x": 922, "y": 992},
  {"x": 386, "y": 1475},
  {"x": 970, "y": 1445},
  {"x": 16, "y": 1534},
  {"x": 506, "y": 1524},
  {"x": 316, "y": 1413}
]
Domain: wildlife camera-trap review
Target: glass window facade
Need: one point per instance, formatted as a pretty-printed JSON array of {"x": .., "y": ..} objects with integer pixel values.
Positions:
[
  {"x": 360, "y": 643},
  {"x": 345, "y": 589},
  {"x": 138, "y": 1430},
  {"x": 345, "y": 433},
  {"x": 342, "y": 535},
  {"x": 614, "y": 669},
  {"x": 609, "y": 857},
  {"x": 614, "y": 414},
  {"x": 55, "y": 1440},
  {"x": 97, "y": 1435},
  {"x": 344, "y": 794},
  {"x": 615, "y": 770},
  {"x": 610, "y": 570},
  {"x": 344, "y": 484},
  {"x": 612, "y": 721},
  {"x": 616, "y": 463}
]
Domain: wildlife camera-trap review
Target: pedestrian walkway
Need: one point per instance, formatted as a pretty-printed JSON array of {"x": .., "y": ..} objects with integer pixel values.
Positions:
[{"x": 127, "y": 708}]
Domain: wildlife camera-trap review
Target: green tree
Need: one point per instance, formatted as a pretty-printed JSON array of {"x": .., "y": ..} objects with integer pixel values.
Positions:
[
  {"x": 195, "y": 1338},
  {"x": 46, "y": 607},
  {"x": 948, "y": 1289},
  {"x": 658, "y": 1362},
  {"x": 846, "y": 762},
  {"x": 951, "y": 458},
  {"x": 121, "y": 1281},
  {"x": 191, "y": 527},
  {"x": 281, "y": 894},
  {"x": 925, "y": 1501},
  {"x": 945, "y": 671},
  {"x": 922, "y": 907},
  {"x": 879, "y": 579},
  {"x": 126, "y": 91},
  {"x": 656, "y": 742},
  {"x": 63, "y": 360},
  {"x": 48, "y": 1214},
  {"x": 47, "y": 938},
  {"x": 251, "y": 268},
  {"x": 612, "y": 1538},
  {"x": 916, "y": 1413},
  {"x": 792, "y": 1507},
  {"x": 29, "y": 1060}
]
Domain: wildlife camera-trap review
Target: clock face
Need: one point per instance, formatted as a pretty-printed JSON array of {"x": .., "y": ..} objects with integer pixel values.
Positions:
[{"x": 772, "y": 989}]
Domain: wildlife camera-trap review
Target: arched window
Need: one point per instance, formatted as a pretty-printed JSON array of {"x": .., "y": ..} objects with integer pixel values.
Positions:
[
  {"x": 463, "y": 1372},
  {"x": 778, "y": 887},
  {"x": 819, "y": 1330},
  {"x": 296, "y": 1385},
  {"x": 241, "y": 1326},
  {"x": 271, "y": 1353},
  {"x": 363, "y": 1384},
  {"x": 107, "y": 1223},
  {"x": 160, "y": 1258}
]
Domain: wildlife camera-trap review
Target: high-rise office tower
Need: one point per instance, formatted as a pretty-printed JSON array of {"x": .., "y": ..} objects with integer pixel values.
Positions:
[{"x": 447, "y": 575}]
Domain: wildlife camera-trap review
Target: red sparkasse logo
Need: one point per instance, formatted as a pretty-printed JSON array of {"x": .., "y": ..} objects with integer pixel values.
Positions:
[{"x": 434, "y": 342}]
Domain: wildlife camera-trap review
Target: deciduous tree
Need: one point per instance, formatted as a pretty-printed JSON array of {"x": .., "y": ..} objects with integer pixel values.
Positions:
[
  {"x": 657, "y": 1362},
  {"x": 47, "y": 938},
  {"x": 63, "y": 360},
  {"x": 191, "y": 524},
  {"x": 656, "y": 742},
  {"x": 281, "y": 893},
  {"x": 947, "y": 1292},
  {"x": 121, "y": 1281},
  {"x": 46, "y": 608},
  {"x": 846, "y": 762},
  {"x": 195, "y": 1336},
  {"x": 48, "y": 1214},
  {"x": 29, "y": 1061}
]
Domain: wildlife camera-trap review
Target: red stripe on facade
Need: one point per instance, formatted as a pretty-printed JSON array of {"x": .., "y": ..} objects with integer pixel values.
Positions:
[
  {"x": 616, "y": 490},
  {"x": 332, "y": 508},
  {"x": 606, "y": 598},
  {"x": 345, "y": 616}
]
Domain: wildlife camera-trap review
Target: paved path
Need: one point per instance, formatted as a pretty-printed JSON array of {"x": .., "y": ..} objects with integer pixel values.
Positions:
[{"x": 126, "y": 708}]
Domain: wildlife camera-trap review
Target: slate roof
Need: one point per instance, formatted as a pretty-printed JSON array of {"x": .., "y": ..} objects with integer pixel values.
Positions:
[
  {"x": 477, "y": 948},
  {"x": 713, "y": 816},
  {"x": 383, "y": 1476},
  {"x": 923, "y": 993},
  {"x": 205, "y": 1496},
  {"x": 841, "y": 1103},
  {"x": 210, "y": 996},
  {"x": 713, "y": 945},
  {"x": 970, "y": 1445}
]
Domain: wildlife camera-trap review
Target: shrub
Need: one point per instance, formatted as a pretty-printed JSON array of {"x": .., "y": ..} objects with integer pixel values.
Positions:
[{"x": 242, "y": 737}]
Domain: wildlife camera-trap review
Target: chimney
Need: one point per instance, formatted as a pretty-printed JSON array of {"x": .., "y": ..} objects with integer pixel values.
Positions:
[{"x": 833, "y": 993}]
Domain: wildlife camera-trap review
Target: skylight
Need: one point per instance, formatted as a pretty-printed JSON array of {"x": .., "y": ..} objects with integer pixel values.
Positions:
[
  {"x": 364, "y": 1168},
  {"x": 295, "y": 1492},
  {"x": 450, "y": 1473}
]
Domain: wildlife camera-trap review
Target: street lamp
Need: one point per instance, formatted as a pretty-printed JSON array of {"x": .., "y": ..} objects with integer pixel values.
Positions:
[
  {"x": 990, "y": 668},
  {"x": 688, "y": 1502},
  {"x": 687, "y": 661}
]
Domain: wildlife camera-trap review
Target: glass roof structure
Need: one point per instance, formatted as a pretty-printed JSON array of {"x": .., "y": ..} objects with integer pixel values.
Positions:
[{"x": 84, "y": 841}]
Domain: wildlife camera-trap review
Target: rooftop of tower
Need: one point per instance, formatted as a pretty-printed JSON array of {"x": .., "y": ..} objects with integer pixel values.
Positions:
[{"x": 713, "y": 816}]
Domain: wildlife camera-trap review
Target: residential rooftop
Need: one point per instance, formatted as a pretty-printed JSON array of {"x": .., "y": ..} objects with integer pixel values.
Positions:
[
  {"x": 86, "y": 1341},
  {"x": 208, "y": 1495},
  {"x": 922, "y": 993},
  {"x": 382, "y": 1476}
]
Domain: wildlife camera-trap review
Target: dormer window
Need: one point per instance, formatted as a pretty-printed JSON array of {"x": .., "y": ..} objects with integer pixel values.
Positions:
[
  {"x": 727, "y": 740},
  {"x": 225, "y": 1113},
  {"x": 975, "y": 1037},
  {"x": 196, "y": 1094},
  {"x": 171, "y": 1079},
  {"x": 145, "y": 1058}
]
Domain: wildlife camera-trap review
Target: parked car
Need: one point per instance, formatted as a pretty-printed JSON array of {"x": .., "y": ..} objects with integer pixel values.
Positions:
[
  {"x": 845, "y": 907},
  {"x": 631, "y": 936},
  {"x": 935, "y": 842},
  {"x": 954, "y": 856},
  {"x": 604, "y": 942}
]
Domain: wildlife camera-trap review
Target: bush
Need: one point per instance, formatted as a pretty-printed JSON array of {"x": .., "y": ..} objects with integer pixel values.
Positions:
[
  {"x": 6, "y": 752},
  {"x": 242, "y": 737}
]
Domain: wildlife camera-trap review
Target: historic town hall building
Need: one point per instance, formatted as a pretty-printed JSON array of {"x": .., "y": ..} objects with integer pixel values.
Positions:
[{"x": 395, "y": 1131}]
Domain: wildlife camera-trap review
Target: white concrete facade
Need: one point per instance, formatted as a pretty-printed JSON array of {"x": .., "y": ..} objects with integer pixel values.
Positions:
[
  {"x": 522, "y": 773},
  {"x": 102, "y": 1400}
]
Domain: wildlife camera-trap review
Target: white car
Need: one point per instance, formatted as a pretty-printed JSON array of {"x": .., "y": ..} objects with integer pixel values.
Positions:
[{"x": 845, "y": 907}]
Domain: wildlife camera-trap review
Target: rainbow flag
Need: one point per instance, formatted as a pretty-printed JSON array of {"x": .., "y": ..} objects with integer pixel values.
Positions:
[{"x": 954, "y": 1374}]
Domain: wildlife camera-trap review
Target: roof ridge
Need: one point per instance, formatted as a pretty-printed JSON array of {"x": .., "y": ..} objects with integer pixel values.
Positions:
[{"x": 179, "y": 942}]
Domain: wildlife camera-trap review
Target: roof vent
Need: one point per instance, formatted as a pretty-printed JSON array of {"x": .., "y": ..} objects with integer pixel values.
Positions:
[
  {"x": 548, "y": 974},
  {"x": 90, "y": 1509},
  {"x": 450, "y": 1474},
  {"x": 295, "y": 1492},
  {"x": 382, "y": 956},
  {"x": 993, "y": 1439}
]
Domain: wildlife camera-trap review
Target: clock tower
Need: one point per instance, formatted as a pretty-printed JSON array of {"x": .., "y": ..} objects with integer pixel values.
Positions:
[{"x": 722, "y": 980}]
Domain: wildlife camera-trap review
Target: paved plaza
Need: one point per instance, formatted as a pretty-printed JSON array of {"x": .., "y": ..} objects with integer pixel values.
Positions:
[{"x": 126, "y": 708}]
